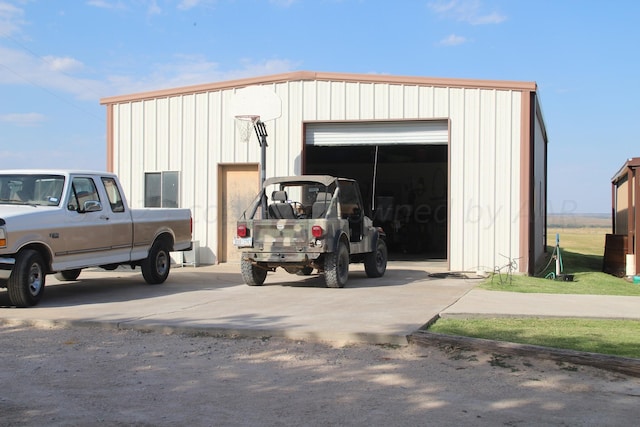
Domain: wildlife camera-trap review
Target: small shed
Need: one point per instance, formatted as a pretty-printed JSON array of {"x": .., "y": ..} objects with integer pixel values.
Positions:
[{"x": 621, "y": 245}]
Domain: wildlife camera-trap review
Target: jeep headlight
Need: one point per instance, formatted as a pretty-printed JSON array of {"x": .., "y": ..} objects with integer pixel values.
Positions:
[{"x": 3, "y": 238}]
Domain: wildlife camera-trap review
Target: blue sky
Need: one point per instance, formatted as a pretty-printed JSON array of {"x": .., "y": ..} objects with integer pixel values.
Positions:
[{"x": 59, "y": 58}]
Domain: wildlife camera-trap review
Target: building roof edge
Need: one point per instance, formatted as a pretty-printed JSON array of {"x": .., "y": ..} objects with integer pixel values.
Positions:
[{"x": 325, "y": 76}]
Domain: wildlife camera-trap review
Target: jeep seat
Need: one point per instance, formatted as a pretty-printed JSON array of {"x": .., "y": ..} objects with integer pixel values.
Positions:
[{"x": 280, "y": 209}]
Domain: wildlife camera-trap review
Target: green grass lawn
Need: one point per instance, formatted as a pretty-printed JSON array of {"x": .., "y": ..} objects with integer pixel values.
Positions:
[
  {"x": 582, "y": 252},
  {"x": 613, "y": 337}
]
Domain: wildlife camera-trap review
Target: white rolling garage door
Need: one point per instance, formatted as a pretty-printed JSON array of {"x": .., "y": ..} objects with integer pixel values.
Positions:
[{"x": 431, "y": 132}]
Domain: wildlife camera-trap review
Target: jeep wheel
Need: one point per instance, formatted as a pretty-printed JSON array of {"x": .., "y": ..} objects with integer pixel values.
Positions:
[
  {"x": 336, "y": 267},
  {"x": 375, "y": 263},
  {"x": 252, "y": 274},
  {"x": 155, "y": 268},
  {"x": 68, "y": 275},
  {"x": 26, "y": 283}
]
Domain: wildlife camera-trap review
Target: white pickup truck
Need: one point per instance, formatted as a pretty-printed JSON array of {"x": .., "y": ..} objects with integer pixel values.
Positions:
[{"x": 56, "y": 221}]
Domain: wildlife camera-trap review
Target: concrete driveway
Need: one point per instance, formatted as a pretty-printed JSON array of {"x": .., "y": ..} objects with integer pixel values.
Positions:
[{"x": 214, "y": 300}]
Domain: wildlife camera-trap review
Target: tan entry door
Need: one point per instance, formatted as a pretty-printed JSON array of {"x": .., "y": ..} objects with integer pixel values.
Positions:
[{"x": 239, "y": 185}]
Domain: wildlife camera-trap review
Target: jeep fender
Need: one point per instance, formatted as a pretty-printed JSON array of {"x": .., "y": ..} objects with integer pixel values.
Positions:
[
  {"x": 377, "y": 234},
  {"x": 339, "y": 237}
]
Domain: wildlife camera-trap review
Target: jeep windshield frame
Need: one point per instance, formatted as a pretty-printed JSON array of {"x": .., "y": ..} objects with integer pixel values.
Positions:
[{"x": 303, "y": 191}]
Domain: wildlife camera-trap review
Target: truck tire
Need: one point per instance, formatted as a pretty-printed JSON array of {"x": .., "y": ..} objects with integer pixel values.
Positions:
[
  {"x": 305, "y": 271},
  {"x": 336, "y": 267},
  {"x": 375, "y": 263},
  {"x": 252, "y": 274},
  {"x": 68, "y": 275},
  {"x": 155, "y": 268},
  {"x": 26, "y": 283}
]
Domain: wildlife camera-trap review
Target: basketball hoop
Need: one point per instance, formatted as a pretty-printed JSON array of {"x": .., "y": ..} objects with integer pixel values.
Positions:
[
  {"x": 245, "y": 123},
  {"x": 245, "y": 126}
]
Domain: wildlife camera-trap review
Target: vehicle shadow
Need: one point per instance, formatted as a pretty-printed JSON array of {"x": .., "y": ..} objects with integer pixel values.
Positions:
[
  {"x": 100, "y": 287},
  {"x": 357, "y": 279}
]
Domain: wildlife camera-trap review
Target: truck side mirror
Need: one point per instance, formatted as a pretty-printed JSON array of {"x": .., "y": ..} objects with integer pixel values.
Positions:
[{"x": 92, "y": 206}]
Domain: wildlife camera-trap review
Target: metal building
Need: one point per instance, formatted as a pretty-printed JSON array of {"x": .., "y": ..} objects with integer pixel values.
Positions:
[
  {"x": 453, "y": 169},
  {"x": 622, "y": 245}
]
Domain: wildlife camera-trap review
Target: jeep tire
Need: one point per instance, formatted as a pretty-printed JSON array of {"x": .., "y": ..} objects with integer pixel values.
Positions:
[
  {"x": 375, "y": 263},
  {"x": 336, "y": 266},
  {"x": 252, "y": 274}
]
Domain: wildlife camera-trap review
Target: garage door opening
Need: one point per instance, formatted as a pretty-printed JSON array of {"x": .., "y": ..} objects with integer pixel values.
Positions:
[{"x": 404, "y": 186}]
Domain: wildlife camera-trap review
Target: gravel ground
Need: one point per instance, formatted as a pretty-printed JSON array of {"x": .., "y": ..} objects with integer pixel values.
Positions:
[{"x": 82, "y": 376}]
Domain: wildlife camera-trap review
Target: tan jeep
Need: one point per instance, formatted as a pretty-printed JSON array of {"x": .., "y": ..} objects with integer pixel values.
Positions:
[{"x": 307, "y": 222}]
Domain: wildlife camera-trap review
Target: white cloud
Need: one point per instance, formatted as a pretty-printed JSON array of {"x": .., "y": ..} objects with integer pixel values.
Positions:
[
  {"x": 188, "y": 4},
  {"x": 63, "y": 64},
  {"x": 452, "y": 40},
  {"x": 23, "y": 119},
  {"x": 469, "y": 11},
  {"x": 282, "y": 3},
  {"x": 48, "y": 73},
  {"x": 10, "y": 19},
  {"x": 188, "y": 70},
  {"x": 106, "y": 4},
  {"x": 153, "y": 8}
]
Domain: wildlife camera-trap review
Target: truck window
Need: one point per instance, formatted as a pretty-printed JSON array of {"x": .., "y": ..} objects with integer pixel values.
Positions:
[
  {"x": 83, "y": 190},
  {"x": 42, "y": 190},
  {"x": 115, "y": 199}
]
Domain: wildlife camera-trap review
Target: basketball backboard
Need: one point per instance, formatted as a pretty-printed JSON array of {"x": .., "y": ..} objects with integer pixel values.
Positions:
[{"x": 256, "y": 100}]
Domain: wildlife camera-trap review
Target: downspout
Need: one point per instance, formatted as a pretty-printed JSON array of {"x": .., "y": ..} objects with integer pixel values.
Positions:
[
  {"x": 109, "y": 135},
  {"x": 636, "y": 211},
  {"x": 532, "y": 185}
]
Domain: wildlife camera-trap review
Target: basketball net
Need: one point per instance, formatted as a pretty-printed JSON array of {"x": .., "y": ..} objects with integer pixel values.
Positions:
[{"x": 245, "y": 127}]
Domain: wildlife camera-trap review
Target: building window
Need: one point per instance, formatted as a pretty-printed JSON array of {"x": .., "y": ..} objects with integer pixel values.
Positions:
[{"x": 161, "y": 189}]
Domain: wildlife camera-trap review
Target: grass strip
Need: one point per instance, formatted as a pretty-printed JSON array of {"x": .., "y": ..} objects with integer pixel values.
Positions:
[{"x": 613, "y": 337}]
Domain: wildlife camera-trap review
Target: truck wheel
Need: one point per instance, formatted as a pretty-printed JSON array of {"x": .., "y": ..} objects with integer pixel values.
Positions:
[
  {"x": 68, "y": 275},
  {"x": 155, "y": 268},
  {"x": 252, "y": 274},
  {"x": 336, "y": 267},
  {"x": 26, "y": 283},
  {"x": 375, "y": 263}
]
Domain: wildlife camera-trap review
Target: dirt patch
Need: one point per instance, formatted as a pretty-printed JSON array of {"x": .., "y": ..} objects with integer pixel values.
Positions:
[{"x": 60, "y": 376}]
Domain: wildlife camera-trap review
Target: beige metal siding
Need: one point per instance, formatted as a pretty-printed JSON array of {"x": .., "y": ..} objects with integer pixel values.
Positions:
[
  {"x": 622, "y": 207},
  {"x": 539, "y": 191},
  {"x": 484, "y": 165},
  {"x": 193, "y": 133}
]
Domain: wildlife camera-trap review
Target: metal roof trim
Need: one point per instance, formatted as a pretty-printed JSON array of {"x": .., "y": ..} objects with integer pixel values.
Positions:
[
  {"x": 631, "y": 163},
  {"x": 326, "y": 76}
]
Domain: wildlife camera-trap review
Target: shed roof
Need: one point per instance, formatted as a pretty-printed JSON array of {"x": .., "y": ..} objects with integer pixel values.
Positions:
[{"x": 632, "y": 163}]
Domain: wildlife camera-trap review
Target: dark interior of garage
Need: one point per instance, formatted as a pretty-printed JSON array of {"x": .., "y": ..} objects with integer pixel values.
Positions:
[{"x": 407, "y": 197}]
